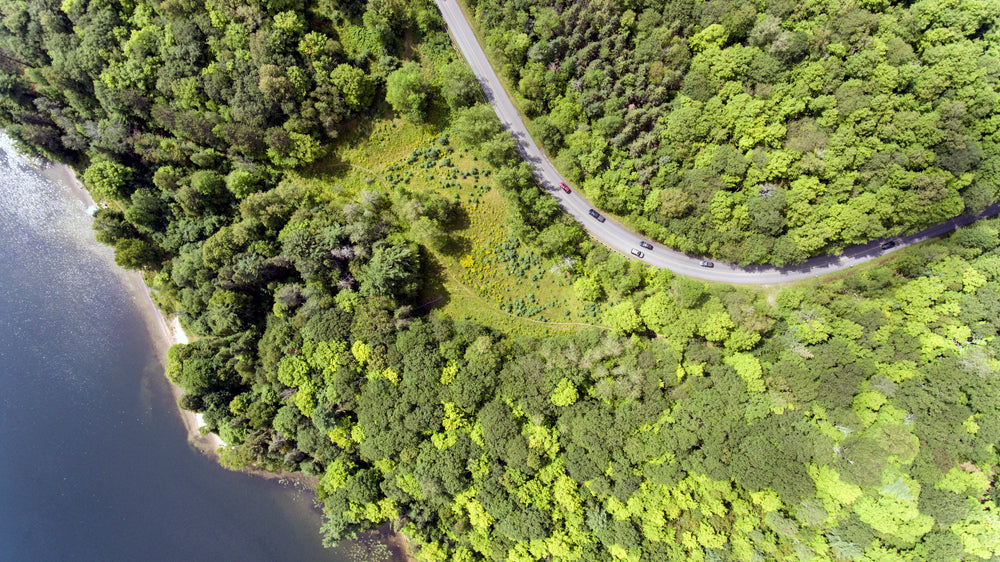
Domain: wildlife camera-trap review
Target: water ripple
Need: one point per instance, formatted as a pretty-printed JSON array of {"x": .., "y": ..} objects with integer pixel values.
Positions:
[{"x": 48, "y": 235}]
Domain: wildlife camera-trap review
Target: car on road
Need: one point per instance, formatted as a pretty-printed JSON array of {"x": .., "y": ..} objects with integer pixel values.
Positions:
[
  {"x": 888, "y": 244},
  {"x": 564, "y": 187},
  {"x": 645, "y": 244},
  {"x": 596, "y": 215},
  {"x": 638, "y": 254},
  {"x": 704, "y": 263}
]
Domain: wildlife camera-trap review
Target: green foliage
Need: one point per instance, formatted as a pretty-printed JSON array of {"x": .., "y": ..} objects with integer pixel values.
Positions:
[
  {"x": 748, "y": 368},
  {"x": 388, "y": 270},
  {"x": 354, "y": 85},
  {"x": 978, "y": 532},
  {"x": 565, "y": 393},
  {"x": 475, "y": 125},
  {"x": 111, "y": 226},
  {"x": 623, "y": 318},
  {"x": 242, "y": 183},
  {"x": 894, "y": 516},
  {"x": 406, "y": 89},
  {"x": 779, "y": 133},
  {"x": 134, "y": 253},
  {"x": 108, "y": 179},
  {"x": 459, "y": 86},
  {"x": 588, "y": 289},
  {"x": 429, "y": 232}
]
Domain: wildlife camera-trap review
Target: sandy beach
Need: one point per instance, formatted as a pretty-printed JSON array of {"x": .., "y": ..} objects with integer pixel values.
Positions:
[{"x": 165, "y": 332}]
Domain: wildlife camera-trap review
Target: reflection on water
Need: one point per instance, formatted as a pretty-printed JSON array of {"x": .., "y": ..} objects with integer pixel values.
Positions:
[{"x": 95, "y": 464}]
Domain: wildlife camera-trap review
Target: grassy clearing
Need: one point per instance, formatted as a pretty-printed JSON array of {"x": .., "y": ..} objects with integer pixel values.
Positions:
[
  {"x": 484, "y": 273},
  {"x": 498, "y": 281},
  {"x": 360, "y": 156}
]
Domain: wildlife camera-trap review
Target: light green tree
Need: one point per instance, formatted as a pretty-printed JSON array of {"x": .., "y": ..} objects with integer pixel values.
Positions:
[
  {"x": 588, "y": 289},
  {"x": 109, "y": 179},
  {"x": 428, "y": 231},
  {"x": 980, "y": 531},
  {"x": 623, "y": 318},
  {"x": 892, "y": 515},
  {"x": 458, "y": 85},
  {"x": 658, "y": 311},
  {"x": 565, "y": 393},
  {"x": 748, "y": 368},
  {"x": 406, "y": 89},
  {"x": 355, "y": 86}
]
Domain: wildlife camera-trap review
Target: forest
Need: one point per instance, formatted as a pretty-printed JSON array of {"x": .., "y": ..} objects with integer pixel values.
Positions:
[
  {"x": 761, "y": 132},
  {"x": 382, "y": 296}
]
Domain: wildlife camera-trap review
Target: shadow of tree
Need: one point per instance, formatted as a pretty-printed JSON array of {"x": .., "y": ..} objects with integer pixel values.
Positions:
[
  {"x": 458, "y": 245},
  {"x": 433, "y": 293},
  {"x": 331, "y": 167}
]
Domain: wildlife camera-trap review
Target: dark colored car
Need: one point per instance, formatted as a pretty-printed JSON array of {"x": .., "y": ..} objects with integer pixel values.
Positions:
[
  {"x": 564, "y": 187},
  {"x": 638, "y": 254},
  {"x": 645, "y": 244},
  {"x": 704, "y": 263},
  {"x": 888, "y": 244},
  {"x": 596, "y": 215}
]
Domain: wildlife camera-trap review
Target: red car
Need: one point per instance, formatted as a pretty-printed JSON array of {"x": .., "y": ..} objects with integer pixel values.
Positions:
[{"x": 564, "y": 187}]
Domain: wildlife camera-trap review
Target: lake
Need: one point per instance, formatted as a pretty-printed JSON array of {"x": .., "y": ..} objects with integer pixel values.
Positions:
[{"x": 94, "y": 459}]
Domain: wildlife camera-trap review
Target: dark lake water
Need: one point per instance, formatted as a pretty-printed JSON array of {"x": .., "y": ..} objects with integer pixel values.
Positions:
[{"x": 94, "y": 460}]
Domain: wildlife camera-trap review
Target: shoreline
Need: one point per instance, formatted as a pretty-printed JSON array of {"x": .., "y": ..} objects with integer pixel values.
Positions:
[
  {"x": 164, "y": 332},
  {"x": 167, "y": 331}
]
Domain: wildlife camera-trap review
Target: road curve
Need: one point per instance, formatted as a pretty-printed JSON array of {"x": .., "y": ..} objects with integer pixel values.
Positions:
[{"x": 619, "y": 238}]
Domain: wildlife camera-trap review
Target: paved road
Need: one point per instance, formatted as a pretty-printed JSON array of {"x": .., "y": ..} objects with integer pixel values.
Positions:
[{"x": 620, "y": 238}]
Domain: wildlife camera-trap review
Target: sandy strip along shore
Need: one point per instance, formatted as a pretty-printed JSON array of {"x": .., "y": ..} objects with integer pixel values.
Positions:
[{"x": 164, "y": 334}]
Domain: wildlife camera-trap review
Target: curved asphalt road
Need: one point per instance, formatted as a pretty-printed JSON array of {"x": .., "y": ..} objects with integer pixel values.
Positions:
[{"x": 623, "y": 240}]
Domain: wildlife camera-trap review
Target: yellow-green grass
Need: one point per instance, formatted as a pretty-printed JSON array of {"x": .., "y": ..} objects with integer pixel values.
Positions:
[
  {"x": 483, "y": 274},
  {"x": 521, "y": 295},
  {"x": 358, "y": 159}
]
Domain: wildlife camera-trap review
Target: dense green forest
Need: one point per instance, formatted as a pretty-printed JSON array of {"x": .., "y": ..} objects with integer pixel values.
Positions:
[
  {"x": 764, "y": 131},
  {"x": 310, "y": 186}
]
